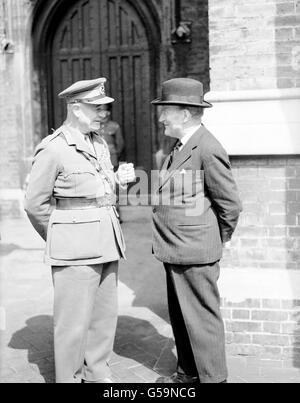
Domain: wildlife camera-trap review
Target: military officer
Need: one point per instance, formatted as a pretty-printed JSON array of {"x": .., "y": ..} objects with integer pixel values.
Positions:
[{"x": 70, "y": 201}]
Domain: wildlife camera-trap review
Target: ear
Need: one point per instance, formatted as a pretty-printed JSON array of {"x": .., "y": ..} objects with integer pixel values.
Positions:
[
  {"x": 187, "y": 115},
  {"x": 76, "y": 109}
]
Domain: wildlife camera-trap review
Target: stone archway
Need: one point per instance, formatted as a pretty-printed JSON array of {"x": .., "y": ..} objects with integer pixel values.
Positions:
[{"x": 119, "y": 39}]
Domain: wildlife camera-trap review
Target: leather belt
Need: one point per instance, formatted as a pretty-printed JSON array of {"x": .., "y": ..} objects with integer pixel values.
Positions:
[{"x": 85, "y": 204}]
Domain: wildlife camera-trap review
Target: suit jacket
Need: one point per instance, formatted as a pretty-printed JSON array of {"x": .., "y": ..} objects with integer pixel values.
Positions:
[
  {"x": 64, "y": 168},
  {"x": 198, "y": 206}
]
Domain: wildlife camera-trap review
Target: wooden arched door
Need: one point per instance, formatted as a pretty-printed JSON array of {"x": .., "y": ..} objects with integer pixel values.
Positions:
[{"x": 108, "y": 38}]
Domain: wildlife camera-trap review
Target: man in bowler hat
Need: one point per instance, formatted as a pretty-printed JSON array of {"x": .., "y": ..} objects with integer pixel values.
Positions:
[
  {"x": 70, "y": 201},
  {"x": 189, "y": 236}
]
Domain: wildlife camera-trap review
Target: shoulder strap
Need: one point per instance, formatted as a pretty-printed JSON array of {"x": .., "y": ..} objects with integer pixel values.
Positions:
[{"x": 47, "y": 140}]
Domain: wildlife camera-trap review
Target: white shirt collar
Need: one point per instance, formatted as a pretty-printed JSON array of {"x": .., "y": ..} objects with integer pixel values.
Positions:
[{"x": 188, "y": 134}]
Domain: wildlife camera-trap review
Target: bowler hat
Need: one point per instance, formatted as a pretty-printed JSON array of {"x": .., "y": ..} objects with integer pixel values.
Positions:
[{"x": 182, "y": 91}]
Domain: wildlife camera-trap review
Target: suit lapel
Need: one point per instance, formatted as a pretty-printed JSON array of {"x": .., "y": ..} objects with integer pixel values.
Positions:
[
  {"x": 164, "y": 170},
  {"x": 184, "y": 155}
]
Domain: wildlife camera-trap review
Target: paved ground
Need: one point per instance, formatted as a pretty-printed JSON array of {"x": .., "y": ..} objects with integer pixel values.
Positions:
[{"x": 144, "y": 345}]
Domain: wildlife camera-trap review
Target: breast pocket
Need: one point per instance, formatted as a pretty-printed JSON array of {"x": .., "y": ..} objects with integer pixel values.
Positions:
[
  {"x": 81, "y": 179},
  {"x": 188, "y": 189}
]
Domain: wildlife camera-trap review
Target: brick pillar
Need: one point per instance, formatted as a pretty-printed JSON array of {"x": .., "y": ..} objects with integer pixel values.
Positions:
[{"x": 255, "y": 88}]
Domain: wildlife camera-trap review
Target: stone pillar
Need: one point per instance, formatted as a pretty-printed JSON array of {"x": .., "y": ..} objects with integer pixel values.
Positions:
[{"x": 15, "y": 103}]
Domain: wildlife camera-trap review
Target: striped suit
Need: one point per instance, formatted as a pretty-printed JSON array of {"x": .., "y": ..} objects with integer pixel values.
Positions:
[{"x": 197, "y": 210}]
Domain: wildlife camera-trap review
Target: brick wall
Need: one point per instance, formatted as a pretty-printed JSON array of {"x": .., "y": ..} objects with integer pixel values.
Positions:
[
  {"x": 254, "y": 44},
  {"x": 287, "y": 40},
  {"x": 269, "y": 329},
  {"x": 268, "y": 236}
]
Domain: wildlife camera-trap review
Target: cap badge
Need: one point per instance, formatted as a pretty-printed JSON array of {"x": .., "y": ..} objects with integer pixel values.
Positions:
[{"x": 102, "y": 89}]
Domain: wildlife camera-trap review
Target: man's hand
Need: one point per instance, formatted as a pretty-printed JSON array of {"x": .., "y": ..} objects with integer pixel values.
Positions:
[
  {"x": 126, "y": 174},
  {"x": 227, "y": 245}
]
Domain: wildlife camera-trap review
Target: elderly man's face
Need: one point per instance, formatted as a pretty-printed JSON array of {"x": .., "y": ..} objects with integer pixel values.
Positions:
[
  {"x": 173, "y": 118},
  {"x": 88, "y": 117}
]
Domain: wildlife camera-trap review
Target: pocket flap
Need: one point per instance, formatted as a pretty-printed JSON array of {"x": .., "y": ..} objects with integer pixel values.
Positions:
[
  {"x": 75, "y": 241},
  {"x": 190, "y": 220},
  {"x": 75, "y": 216},
  {"x": 70, "y": 169}
]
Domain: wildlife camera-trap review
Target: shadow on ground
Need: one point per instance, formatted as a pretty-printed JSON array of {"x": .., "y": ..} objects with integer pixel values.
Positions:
[
  {"x": 37, "y": 339},
  {"x": 142, "y": 273},
  {"x": 139, "y": 340},
  {"x": 137, "y": 344}
]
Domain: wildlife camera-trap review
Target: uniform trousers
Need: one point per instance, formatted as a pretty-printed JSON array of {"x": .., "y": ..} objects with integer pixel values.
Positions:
[
  {"x": 194, "y": 306},
  {"x": 85, "y": 321}
]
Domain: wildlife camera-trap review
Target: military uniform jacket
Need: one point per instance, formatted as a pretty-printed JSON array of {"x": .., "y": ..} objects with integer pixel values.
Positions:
[
  {"x": 198, "y": 205},
  {"x": 65, "y": 167}
]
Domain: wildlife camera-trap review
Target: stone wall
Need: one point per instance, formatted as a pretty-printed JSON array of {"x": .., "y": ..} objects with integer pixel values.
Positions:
[
  {"x": 254, "y": 60},
  {"x": 16, "y": 137},
  {"x": 254, "y": 44}
]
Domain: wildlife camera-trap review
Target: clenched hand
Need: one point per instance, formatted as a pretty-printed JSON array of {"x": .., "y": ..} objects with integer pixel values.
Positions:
[{"x": 126, "y": 174}]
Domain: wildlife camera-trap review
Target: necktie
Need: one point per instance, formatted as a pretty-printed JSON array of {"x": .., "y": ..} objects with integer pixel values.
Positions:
[{"x": 174, "y": 153}]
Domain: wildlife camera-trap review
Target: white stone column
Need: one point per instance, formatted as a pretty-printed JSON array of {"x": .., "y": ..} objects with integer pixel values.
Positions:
[{"x": 15, "y": 103}]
